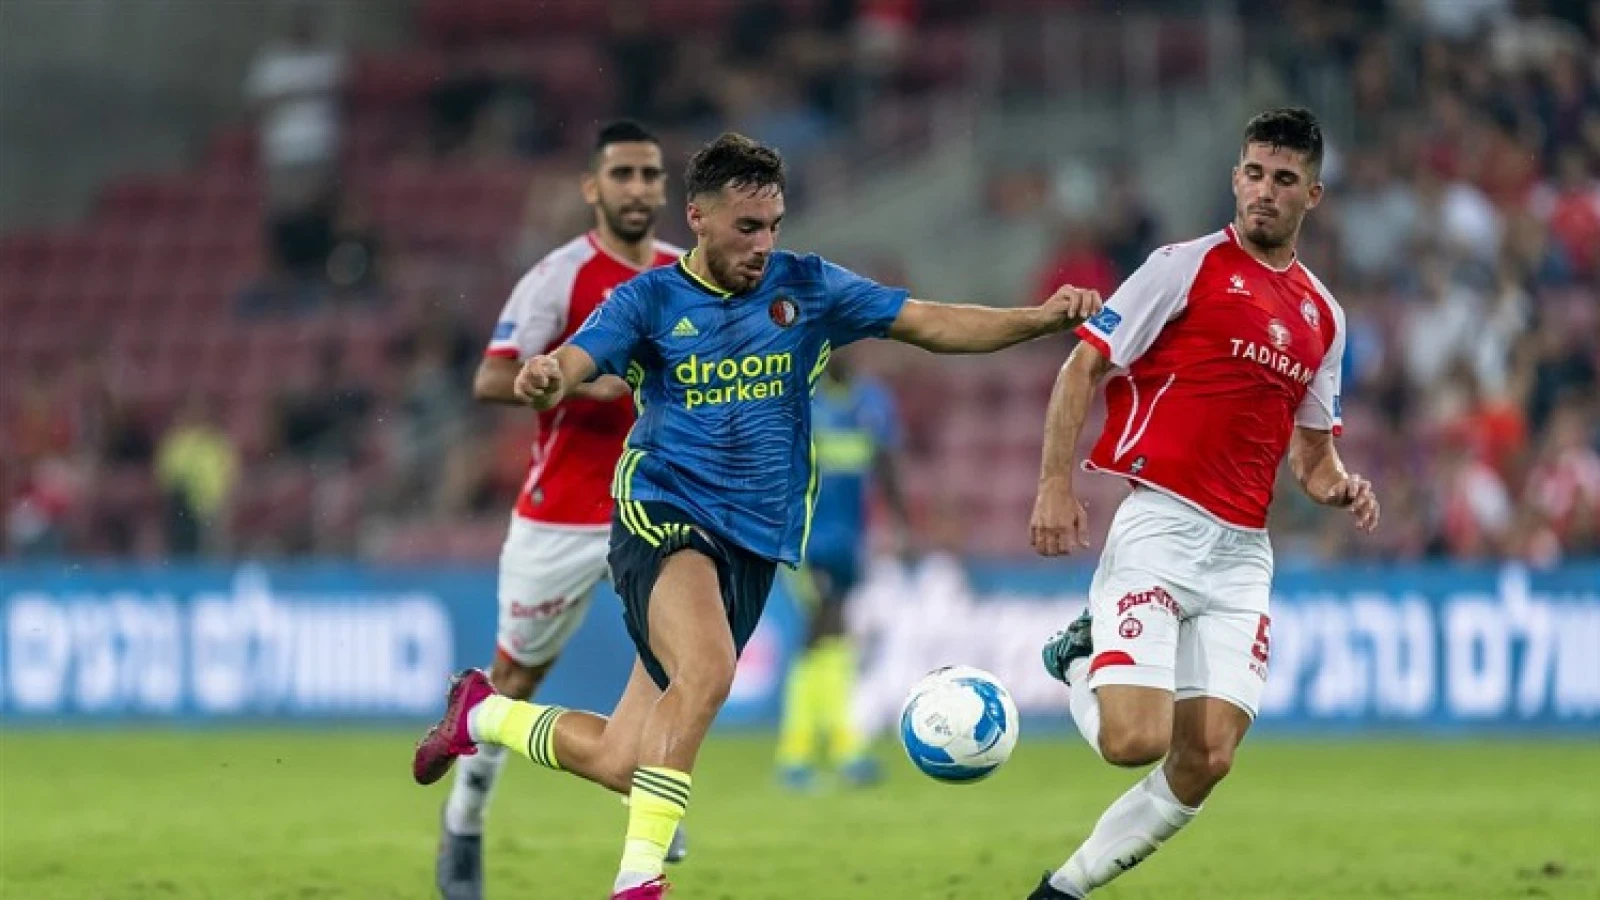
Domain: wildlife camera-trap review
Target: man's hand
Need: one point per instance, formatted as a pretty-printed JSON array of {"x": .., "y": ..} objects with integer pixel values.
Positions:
[
  {"x": 539, "y": 384},
  {"x": 1070, "y": 306},
  {"x": 1059, "y": 522},
  {"x": 1355, "y": 494}
]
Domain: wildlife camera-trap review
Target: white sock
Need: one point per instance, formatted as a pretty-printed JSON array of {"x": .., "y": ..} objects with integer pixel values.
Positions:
[
  {"x": 1085, "y": 705},
  {"x": 1130, "y": 830},
  {"x": 474, "y": 785}
]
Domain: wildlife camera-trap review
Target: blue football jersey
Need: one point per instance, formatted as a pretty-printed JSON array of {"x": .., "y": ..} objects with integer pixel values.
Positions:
[
  {"x": 723, "y": 385},
  {"x": 853, "y": 423}
]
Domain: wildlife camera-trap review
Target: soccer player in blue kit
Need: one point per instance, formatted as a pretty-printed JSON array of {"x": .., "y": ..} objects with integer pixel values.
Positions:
[
  {"x": 717, "y": 484},
  {"x": 856, "y": 429}
]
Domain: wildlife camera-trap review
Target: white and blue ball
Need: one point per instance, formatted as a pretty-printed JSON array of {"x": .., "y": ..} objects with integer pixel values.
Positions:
[{"x": 959, "y": 724}]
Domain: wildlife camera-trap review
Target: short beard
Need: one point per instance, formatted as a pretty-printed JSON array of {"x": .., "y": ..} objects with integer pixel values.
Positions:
[
  {"x": 725, "y": 274},
  {"x": 625, "y": 233}
]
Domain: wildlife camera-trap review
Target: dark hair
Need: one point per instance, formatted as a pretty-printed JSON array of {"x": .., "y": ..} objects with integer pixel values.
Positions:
[
  {"x": 736, "y": 161},
  {"x": 1291, "y": 128},
  {"x": 622, "y": 131}
]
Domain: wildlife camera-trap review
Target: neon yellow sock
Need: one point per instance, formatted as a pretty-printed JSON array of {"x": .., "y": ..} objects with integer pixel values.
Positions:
[
  {"x": 836, "y": 667},
  {"x": 656, "y": 805},
  {"x": 799, "y": 730},
  {"x": 528, "y": 728}
]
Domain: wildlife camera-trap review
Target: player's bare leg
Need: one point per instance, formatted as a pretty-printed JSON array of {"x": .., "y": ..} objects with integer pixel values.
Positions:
[
  {"x": 690, "y": 636},
  {"x": 1206, "y": 732},
  {"x": 1135, "y": 723},
  {"x": 1126, "y": 725}
]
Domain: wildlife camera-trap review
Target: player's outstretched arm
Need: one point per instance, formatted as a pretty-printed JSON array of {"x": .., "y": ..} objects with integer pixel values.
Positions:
[
  {"x": 1315, "y": 462},
  {"x": 956, "y": 328},
  {"x": 1059, "y": 521},
  {"x": 547, "y": 379},
  {"x": 496, "y": 382}
]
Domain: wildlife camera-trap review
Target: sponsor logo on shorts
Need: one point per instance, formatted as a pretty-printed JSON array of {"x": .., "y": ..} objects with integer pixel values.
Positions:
[
  {"x": 1156, "y": 596},
  {"x": 539, "y": 610},
  {"x": 1130, "y": 628}
]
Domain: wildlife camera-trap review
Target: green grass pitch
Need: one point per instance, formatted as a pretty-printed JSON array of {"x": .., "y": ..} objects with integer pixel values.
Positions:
[{"x": 145, "y": 815}]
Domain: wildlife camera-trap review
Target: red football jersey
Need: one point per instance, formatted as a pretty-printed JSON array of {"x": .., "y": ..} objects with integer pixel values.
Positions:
[
  {"x": 1220, "y": 356},
  {"x": 569, "y": 477}
]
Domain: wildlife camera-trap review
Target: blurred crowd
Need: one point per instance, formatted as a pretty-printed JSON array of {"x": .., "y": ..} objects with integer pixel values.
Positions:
[{"x": 1461, "y": 232}]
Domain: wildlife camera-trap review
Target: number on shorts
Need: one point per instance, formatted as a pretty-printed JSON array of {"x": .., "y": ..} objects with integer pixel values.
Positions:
[{"x": 1263, "y": 647}]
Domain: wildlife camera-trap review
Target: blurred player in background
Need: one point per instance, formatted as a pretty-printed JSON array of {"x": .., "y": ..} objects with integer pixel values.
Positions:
[
  {"x": 555, "y": 550},
  {"x": 717, "y": 484},
  {"x": 1231, "y": 353},
  {"x": 857, "y": 436}
]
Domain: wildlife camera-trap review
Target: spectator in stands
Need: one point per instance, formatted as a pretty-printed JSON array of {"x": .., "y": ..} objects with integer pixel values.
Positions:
[
  {"x": 432, "y": 419},
  {"x": 294, "y": 87},
  {"x": 639, "y": 55},
  {"x": 1129, "y": 227},
  {"x": 1475, "y": 511},
  {"x": 1569, "y": 206},
  {"x": 1563, "y": 489},
  {"x": 1440, "y": 324},
  {"x": 355, "y": 259},
  {"x": 1563, "y": 366},
  {"x": 321, "y": 419},
  {"x": 1377, "y": 216},
  {"x": 36, "y": 521},
  {"x": 196, "y": 468}
]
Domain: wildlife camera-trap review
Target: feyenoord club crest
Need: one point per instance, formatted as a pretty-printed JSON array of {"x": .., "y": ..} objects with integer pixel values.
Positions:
[
  {"x": 1309, "y": 311},
  {"x": 784, "y": 312},
  {"x": 1279, "y": 333}
]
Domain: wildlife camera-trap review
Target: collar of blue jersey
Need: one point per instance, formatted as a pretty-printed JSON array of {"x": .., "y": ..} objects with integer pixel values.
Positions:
[{"x": 697, "y": 281}]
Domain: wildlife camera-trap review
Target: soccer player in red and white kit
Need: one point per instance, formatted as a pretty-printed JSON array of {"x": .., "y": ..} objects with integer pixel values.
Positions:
[
  {"x": 1228, "y": 353},
  {"x": 555, "y": 550}
]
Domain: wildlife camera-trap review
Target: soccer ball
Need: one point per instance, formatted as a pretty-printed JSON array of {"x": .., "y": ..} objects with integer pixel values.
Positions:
[{"x": 959, "y": 724}]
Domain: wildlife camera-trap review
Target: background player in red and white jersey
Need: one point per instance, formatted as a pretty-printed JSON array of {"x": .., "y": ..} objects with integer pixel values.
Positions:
[
  {"x": 1228, "y": 352},
  {"x": 555, "y": 549}
]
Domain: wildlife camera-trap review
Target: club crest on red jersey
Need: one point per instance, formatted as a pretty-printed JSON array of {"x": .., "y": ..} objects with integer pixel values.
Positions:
[{"x": 1308, "y": 309}]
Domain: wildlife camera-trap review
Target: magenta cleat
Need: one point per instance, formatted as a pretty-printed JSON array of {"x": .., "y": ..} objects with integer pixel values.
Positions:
[
  {"x": 654, "y": 889},
  {"x": 438, "y": 749}
]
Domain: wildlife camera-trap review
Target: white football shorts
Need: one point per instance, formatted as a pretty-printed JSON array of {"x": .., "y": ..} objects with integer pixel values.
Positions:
[
  {"x": 547, "y": 579},
  {"x": 1179, "y": 602}
]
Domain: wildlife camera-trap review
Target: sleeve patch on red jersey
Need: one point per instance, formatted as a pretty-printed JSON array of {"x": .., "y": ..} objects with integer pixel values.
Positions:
[{"x": 1106, "y": 320}]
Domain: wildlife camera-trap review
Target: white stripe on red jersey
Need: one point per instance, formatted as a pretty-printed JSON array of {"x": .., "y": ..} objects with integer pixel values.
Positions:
[
  {"x": 1220, "y": 357},
  {"x": 569, "y": 475}
]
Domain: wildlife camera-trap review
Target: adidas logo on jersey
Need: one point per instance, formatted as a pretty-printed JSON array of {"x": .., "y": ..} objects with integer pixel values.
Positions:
[{"x": 685, "y": 328}]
